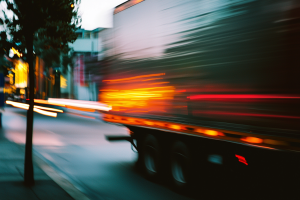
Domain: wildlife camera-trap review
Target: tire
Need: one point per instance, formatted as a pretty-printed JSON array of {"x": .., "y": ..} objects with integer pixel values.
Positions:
[
  {"x": 150, "y": 157},
  {"x": 181, "y": 169}
]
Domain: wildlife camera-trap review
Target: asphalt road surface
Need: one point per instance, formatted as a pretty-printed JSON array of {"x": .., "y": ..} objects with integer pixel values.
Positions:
[{"x": 76, "y": 148}]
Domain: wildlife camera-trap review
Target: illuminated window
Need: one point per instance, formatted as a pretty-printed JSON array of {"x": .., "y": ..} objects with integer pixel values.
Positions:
[
  {"x": 21, "y": 73},
  {"x": 63, "y": 82}
]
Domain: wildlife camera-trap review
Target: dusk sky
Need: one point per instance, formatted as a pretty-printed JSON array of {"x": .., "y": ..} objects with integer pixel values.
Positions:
[{"x": 95, "y": 13}]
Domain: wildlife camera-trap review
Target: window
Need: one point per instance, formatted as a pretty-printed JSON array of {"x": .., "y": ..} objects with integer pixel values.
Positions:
[
  {"x": 95, "y": 35},
  {"x": 87, "y": 35},
  {"x": 79, "y": 35}
]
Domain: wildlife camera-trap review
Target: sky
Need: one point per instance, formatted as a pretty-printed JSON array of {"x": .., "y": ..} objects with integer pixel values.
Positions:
[
  {"x": 94, "y": 13},
  {"x": 97, "y": 13}
]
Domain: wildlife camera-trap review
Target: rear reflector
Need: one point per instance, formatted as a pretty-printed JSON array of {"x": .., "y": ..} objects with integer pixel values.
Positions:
[{"x": 241, "y": 159}]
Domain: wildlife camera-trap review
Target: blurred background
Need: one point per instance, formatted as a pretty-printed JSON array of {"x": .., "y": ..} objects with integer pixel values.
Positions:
[{"x": 229, "y": 65}]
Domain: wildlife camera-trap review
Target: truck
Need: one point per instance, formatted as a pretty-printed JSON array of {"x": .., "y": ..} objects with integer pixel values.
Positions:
[{"x": 206, "y": 88}]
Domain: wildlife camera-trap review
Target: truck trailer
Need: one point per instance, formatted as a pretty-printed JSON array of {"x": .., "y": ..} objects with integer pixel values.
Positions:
[{"x": 206, "y": 88}]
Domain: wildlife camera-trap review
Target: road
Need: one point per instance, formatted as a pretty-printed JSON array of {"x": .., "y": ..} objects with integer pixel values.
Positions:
[{"x": 76, "y": 148}]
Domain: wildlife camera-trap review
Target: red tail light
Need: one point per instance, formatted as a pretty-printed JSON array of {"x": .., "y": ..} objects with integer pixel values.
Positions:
[{"x": 241, "y": 159}]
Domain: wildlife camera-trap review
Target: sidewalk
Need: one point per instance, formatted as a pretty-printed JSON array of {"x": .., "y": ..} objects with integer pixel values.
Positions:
[{"x": 11, "y": 176}]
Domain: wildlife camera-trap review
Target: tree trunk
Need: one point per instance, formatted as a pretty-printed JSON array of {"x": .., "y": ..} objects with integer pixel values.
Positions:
[{"x": 28, "y": 166}]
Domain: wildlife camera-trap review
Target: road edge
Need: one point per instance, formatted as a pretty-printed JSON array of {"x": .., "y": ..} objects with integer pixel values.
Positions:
[{"x": 59, "y": 180}]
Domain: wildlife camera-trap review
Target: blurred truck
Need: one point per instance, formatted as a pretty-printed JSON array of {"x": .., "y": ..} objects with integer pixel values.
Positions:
[{"x": 206, "y": 87}]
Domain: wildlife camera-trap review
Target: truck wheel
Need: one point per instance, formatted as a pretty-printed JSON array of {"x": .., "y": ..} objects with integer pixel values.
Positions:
[
  {"x": 180, "y": 166},
  {"x": 150, "y": 157}
]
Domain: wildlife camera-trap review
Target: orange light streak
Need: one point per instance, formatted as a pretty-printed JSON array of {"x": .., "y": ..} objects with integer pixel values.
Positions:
[
  {"x": 176, "y": 127},
  {"x": 151, "y": 79},
  {"x": 158, "y": 83},
  {"x": 135, "y": 77},
  {"x": 210, "y": 132},
  {"x": 252, "y": 140}
]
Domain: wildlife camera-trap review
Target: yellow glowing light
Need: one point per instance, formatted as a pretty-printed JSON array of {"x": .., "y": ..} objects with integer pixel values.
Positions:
[
  {"x": 72, "y": 5},
  {"x": 21, "y": 74},
  {"x": 46, "y": 102},
  {"x": 137, "y": 98},
  {"x": 11, "y": 78},
  {"x": 148, "y": 123},
  {"x": 16, "y": 52},
  {"x": 35, "y": 108},
  {"x": 7, "y": 90},
  {"x": 22, "y": 91},
  {"x": 128, "y": 97},
  {"x": 63, "y": 82},
  {"x": 43, "y": 112},
  {"x": 177, "y": 127},
  {"x": 51, "y": 109}
]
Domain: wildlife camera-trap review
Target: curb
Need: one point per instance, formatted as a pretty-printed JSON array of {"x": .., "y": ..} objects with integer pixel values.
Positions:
[
  {"x": 66, "y": 185},
  {"x": 62, "y": 182}
]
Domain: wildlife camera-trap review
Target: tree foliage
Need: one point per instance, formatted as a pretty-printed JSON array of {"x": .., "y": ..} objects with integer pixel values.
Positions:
[{"x": 53, "y": 22}]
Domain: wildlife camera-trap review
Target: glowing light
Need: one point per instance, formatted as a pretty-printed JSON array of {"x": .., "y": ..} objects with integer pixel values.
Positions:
[
  {"x": 21, "y": 73},
  {"x": 241, "y": 159},
  {"x": 22, "y": 91},
  {"x": 274, "y": 142},
  {"x": 177, "y": 127},
  {"x": 108, "y": 90},
  {"x": 43, "y": 112},
  {"x": 149, "y": 123},
  {"x": 46, "y": 108},
  {"x": 81, "y": 109},
  {"x": 247, "y": 114},
  {"x": 63, "y": 82},
  {"x": 252, "y": 140},
  {"x": 240, "y": 96},
  {"x": 151, "y": 79},
  {"x": 159, "y": 124},
  {"x": 81, "y": 104},
  {"x": 136, "y": 98},
  {"x": 35, "y": 109},
  {"x": 210, "y": 132},
  {"x": 158, "y": 83},
  {"x": 16, "y": 52},
  {"x": 46, "y": 102},
  {"x": 11, "y": 80},
  {"x": 72, "y": 5},
  {"x": 135, "y": 77}
]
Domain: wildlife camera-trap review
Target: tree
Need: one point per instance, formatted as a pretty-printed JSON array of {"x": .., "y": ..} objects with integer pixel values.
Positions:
[{"x": 54, "y": 20}]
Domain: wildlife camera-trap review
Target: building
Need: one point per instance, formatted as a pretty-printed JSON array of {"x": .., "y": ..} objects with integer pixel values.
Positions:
[{"x": 85, "y": 78}]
